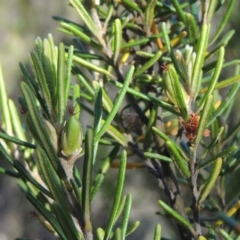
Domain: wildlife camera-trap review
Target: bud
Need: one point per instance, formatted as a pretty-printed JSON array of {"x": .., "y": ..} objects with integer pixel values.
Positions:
[
  {"x": 176, "y": 91},
  {"x": 72, "y": 137},
  {"x": 186, "y": 63}
]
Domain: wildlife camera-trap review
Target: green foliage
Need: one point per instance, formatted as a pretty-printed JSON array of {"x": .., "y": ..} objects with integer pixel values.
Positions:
[{"x": 157, "y": 57}]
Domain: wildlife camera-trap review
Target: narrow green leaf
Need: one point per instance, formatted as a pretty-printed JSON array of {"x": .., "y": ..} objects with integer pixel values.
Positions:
[
  {"x": 151, "y": 122},
  {"x": 35, "y": 89},
  {"x": 144, "y": 54},
  {"x": 149, "y": 63},
  {"x": 166, "y": 138},
  {"x": 117, "y": 39},
  {"x": 117, "y": 103},
  {"x": 76, "y": 190},
  {"x": 179, "y": 10},
  {"x": 87, "y": 179},
  {"x": 56, "y": 188},
  {"x": 76, "y": 94},
  {"x": 135, "y": 43},
  {"x": 10, "y": 173},
  {"x": 89, "y": 56},
  {"x": 98, "y": 110},
  {"x": 224, "y": 21},
  {"x": 65, "y": 222},
  {"x": 85, "y": 17},
  {"x": 41, "y": 79},
  {"x": 175, "y": 215},
  {"x": 224, "y": 83},
  {"x": 192, "y": 28},
  {"x": 133, "y": 227},
  {"x": 48, "y": 63},
  {"x": 209, "y": 184},
  {"x": 225, "y": 103},
  {"x": 92, "y": 66},
  {"x": 108, "y": 15},
  {"x": 97, "y": 183},
  {"x": 107, "y": 102},
  {"x": 26, "y": 175},
  {"x": 157, "y": 156},
  {"x": 117, "y": 234},
  {"x": 86, "y": 84},
  {"x": 147, "y": 78},
  {"x": 100, "y": 233},
  {"x": 117, "y": 198},
  {"x": 211, "y": 9},
  {"x": 50, "y": 177},
  {"x": 5, "y": 114},
  {"x": 76, "y": 31},
  {"x": 40, "y": 130},
  {"x": 17, "y": 126},
  {"x": 131, "y": 5},
  {"x": 22, "y": 171},
  {"x": 149, "y": 15},
  {"x": 120, "y": 209},
  {"x": 179, "y": 162},
  {"x": 5, "y": 154},
  {"x": 157, "y": 233},
  {"x": 103, "y": 170},
  {"x": 77, "y": 176},
  {"x": 179, "y": 93},
  {"x": 17, "y": 141},
  {"x": 61, "y": 85},
  {"x": 225, "y": 235},
  {"x": 49, "y": 217},
  {"x": 201, "y": 51},
  {"x": 222, "y": 43},
  {"x": 223, "y": 154},
  {"x": 166, "y": 38},
  {"x": 161, "y": 103},
  {"x": 141, "y": 41},
  {"x": 126, "y": 214},
  {"x": 204, "y": 119},
  {"x": 217, "y": 71}
]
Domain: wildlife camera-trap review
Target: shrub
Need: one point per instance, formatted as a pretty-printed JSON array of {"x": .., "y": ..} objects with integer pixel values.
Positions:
[{"x": 147, "y": 77}]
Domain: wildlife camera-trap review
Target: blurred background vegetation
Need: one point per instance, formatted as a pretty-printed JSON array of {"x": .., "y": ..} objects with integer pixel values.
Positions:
[{"x": 21, "y": 23}]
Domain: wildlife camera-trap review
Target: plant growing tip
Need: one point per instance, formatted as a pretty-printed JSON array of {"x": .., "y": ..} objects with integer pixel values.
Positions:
[
  {"x": 71, "y": 139},
  {"x": 176, "y": 91}
]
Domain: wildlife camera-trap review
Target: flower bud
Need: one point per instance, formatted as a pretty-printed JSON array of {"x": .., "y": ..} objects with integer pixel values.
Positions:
[
  {"x": 176, "y": 91},
  {"x": 72, "y": 137}
]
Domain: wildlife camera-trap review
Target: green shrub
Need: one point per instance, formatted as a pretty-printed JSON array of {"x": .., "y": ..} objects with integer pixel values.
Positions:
[{"x": 146, "y": 76}]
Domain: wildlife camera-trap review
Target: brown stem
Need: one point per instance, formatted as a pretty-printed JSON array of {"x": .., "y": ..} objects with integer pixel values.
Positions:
[{"x": 193, "y": 183}]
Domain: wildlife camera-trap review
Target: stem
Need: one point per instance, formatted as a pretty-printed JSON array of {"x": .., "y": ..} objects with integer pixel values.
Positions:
[
  {"x": 169, "y": 183},
  {"x": 193, "y": 183}
]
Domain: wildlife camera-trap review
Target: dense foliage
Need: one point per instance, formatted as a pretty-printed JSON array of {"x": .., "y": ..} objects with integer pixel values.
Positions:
[{"x": 147, "y": 77}]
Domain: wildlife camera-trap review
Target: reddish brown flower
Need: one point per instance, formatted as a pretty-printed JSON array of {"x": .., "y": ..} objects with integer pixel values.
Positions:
[{"x": 191, "y": 126}]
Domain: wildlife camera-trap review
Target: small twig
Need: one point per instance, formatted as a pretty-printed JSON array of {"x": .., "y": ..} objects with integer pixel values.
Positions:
[
  {"x": 193, "y": 183},
  {"x": 101, "y": 32}
]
